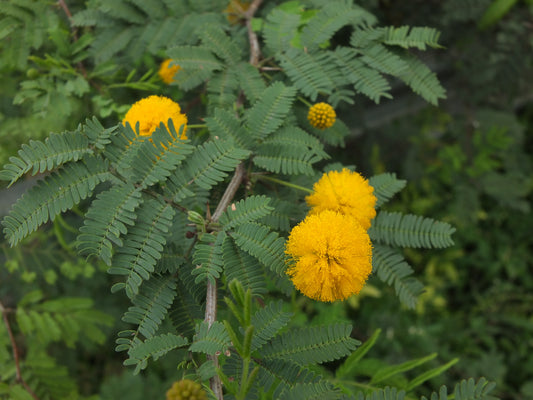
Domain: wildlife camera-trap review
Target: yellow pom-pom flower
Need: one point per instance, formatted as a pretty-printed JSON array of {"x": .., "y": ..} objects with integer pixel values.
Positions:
[
  {"x": 153, "y": 110},
  {"x": 186, "y": 390},
  {"x": 167, "y": 72},
  {"x": 330, "y": 256},
  {"x": 321, "y": 116},
  {"x": 346, "y": 192}
]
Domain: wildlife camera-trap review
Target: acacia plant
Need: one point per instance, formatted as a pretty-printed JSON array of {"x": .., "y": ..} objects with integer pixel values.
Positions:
[{"x": 205, "y": 224}]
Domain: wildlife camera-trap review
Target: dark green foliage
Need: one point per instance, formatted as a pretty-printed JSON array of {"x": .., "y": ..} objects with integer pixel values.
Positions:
[
  {"x": 243, "y": 267},
  {"x": 385, "y": 186},
  {"x": 107, "y": 220},
  {"x": 278, "y": 375},
  {"x": 210, "y": 340},
  {"x": 365, "y": 80},
  {"x": 150, "y": 307},
  {"x": 155, "y": 347},
  {"x": 39, "y": 157},
  {"x": 320, "y": 390},
  {"x": 311, "y": 345},
  {"x": 246, "y": 210},
  {"x": 310, "y": 74},
  {"x": 466, "y": 390},
  {"x": 268, "y": 322},
  {"x": 142, "y": 246},
  {"x": 392, "y": 269},
  {"x": 52, "y": 195},
  {"x": 208, "y": 258},
  {"x": 268, "y": 113},
  {"x": 211, "y": 162},
  {"x": 265, "y": 245},
  {"x": 415, "y": 231}
]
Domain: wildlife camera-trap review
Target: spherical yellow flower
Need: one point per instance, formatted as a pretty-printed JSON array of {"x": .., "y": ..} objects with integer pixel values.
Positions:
[
  {"x": 321, "y": 116},
  {"x": 186, "y": 390},
  {"x": 235, "y": 9},
  {"x": 153, "y": 110},
  {"x": 166, "y": 72},
  {"x": 346, "y": 192},
  {"x": 330, "y": 256}
]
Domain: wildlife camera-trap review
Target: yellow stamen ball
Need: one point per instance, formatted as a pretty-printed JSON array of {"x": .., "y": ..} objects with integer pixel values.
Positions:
[
  {"x": 345, "y": 192},
  {"x": 153, "y": 110},
  {"x": 330, "y": 256},
  {"x": 321, "y": 116}
]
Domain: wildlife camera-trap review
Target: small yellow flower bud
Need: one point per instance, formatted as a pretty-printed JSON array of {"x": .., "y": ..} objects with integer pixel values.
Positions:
[
  {"x": 321, "y": 116},
  {"x": 166, "y": 72}
]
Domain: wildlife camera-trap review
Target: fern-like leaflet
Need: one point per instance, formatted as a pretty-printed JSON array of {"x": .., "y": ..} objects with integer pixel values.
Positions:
[
  {"x": 56, "y": 193},
  {"x": 142, "y": 246},
  {"x": 392, "y": 269},
  {"x": 265, "y": 245},
  {"x": 107, "y": 220},
  {"x": 396, "y": 229},
  {"x": 311, "y": 345}
]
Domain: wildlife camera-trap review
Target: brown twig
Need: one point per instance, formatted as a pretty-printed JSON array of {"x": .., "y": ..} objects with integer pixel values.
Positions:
[
  {"x": 211, "y": 296},
  {"x": 255, "y": 51},
  {"x": 16, "y": 358}
]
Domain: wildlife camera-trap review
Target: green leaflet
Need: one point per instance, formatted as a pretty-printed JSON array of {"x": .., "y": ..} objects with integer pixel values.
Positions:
[
  {"x": 207, "y": 258},
  {"x": 227, "y": 126},
  {"x": 216, "y": 40},
  {"x": 396, "y": 229},
  {"x": 267, "y": 322},
  {"x": 310, "y": 73},
  {"x": 466, "y": 390},
  {"x": 422, "y": 80},
  {"x": 385, "y": 186},
  {"x": 365, "y": 80},
  {"x": 142, "y": 246},
  {"x": 150, "y": 306},
  {"x": 333, "y": 16},
  {"x": 269, "y": 112},
  {"x": 210, "y": 340},
  {"x": 211, "y": 162},
  {"x": 39, "y": 157},
  {"x": 265, "y": 245},
  {"x": 107, "y": 220},
  {"x": 322, "y": 390},
  {"x": 383, "y": 394},
  {"x": 311, "y": 345},
  {"x": 282, "y": 374},
  {"x": 243, "y": 267},
  {"x": 290, "y": 151},
  {"x": 279, "y": 29},
  {"x": 246, "y": 210},
  {"x": 155, "y": 347},
  {"x": 417, "y": 36},
  {"x": 392, "y": 269},
  {"x": 56, "y": 193},
  {"x": 223, "y": 89}
]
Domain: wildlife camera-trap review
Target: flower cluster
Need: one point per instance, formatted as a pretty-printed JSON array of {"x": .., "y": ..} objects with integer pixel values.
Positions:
[
  {"x": 321, "y": 116},
  {"x": 167, "y": 72},
  {"x": 151, "y": 111},
  {"x": 186, "y": 390},
  {"x": 330, "y": 252}
]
